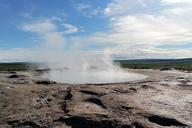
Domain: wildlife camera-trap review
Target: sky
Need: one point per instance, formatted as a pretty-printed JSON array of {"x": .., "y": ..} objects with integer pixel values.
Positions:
[{"x": 130, "y": 29}]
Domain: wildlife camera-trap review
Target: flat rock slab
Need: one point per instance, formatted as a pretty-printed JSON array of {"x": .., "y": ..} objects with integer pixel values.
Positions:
[{"x": 161, "y": 100}]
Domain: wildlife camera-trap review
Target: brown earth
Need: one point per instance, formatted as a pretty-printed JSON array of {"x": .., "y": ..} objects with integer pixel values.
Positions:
[{"x": 164, "y": 99}]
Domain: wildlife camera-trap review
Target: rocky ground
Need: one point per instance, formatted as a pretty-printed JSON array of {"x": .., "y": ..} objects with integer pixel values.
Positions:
[{"x": 164, "y": 99}]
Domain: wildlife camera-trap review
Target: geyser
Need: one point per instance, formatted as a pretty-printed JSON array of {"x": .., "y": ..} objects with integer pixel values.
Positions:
[
  {"x": 71, "y": 60},
  {"x": 88, "y": 69}
]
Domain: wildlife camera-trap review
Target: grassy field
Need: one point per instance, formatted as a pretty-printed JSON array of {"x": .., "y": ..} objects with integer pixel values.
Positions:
[
  {"x": 19, "y": 66},
  {"x": 180, "y": 64}
]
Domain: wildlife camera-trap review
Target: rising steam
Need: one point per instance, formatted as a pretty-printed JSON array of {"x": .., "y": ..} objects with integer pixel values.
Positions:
[
  {"x": 92, "y": 68},
  {"x": 74, "y": 67}
]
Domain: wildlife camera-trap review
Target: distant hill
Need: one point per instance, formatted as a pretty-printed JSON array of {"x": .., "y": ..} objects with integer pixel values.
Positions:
[
  {"x": 17, "y": 66},
  {"x": 186, "y": 60},
  {"x": 180, "y": 64}
]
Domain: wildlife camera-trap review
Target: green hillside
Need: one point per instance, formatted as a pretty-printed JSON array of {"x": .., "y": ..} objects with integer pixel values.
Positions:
[{"x": 180, "y": 64}]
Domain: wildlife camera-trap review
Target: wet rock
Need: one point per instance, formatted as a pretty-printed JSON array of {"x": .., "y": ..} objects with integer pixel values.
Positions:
[
  {"x": 137, "y": 125},
  {"x": 12, "y": 72},
  {"x": 95, "y": 101},
  {"x": 133, "y": 89},
  {"x": 127, "y": 108},
  {"x": 13, "y": 76},
  {"x": 185, "y": 86},
  {"x": 165, "y": 69},
  {"x": 86, "y": 122},
  {"x": 64, "y": 106},
  {"x": 49, "y": 100},
  {"x": 89, "y": 92},
  {"x": 45, "y": 82},
  {"x": 43, "y": 70},
  {"x": 149, "y": 87},
  {"x": 165, "y": 121},
  {"x": 119, "y": 90},
  {"x": 43, "y": 100},
  {"x": 126, "y": 126},
  {"x": 180, "y": 78},
  {"x": 25, "y": 124},
  {"x": 67, "y": 94},
  {"x": 107, "y": 106},
  {"x": 125, "y": 91}
]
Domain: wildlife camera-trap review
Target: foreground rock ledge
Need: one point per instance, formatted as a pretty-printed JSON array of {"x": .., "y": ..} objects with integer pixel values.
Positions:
[{"x": 164, "y": 99}]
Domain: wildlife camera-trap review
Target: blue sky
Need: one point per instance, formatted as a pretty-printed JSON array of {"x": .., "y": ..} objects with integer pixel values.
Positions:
[
  {"x": 122, "y": 28},
  {"x": 14, "y": 13}
]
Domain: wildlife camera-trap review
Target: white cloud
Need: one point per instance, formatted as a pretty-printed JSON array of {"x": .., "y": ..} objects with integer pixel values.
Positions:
[
  {"x": 122, "y": 7},
  {"x": 117, "y": 7},
  {"x": 150, "y": 29},
  {"x": 17, "y": 55},
  {"x": 88, "y": 10},
  {"x": 142, "y": 2},
  {"x": 47, "y": 31},
  {"x": 82, "y": 7},
  {"x": 176, "y": 1},
  {"x": 144, "y": 31},
  {"x": 39, "y": 55},
  {"x": 134, "y": 30},
  {"x": 138, "y": 35},
  {"x": 179, "y": 11},
  {"x": 39, "y": 26},
  {"x": 149, "y": 53},
  {"x": 70, "y": 28}
]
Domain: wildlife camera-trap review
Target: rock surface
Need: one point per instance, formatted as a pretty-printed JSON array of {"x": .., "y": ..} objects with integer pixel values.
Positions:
[{"x": 164, "y": 99}]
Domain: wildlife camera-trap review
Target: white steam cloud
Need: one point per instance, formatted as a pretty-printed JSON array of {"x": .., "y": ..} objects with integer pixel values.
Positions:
[
  {"x": 92, "y": 68},
  {"x": 74, "y": 67}
]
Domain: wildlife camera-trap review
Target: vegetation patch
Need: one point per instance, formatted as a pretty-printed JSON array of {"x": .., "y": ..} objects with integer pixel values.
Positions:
[{"x": 179, "y": 64}]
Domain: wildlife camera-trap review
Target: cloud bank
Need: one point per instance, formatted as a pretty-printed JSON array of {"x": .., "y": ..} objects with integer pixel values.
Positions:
[{"x": 136, "y": 29}]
